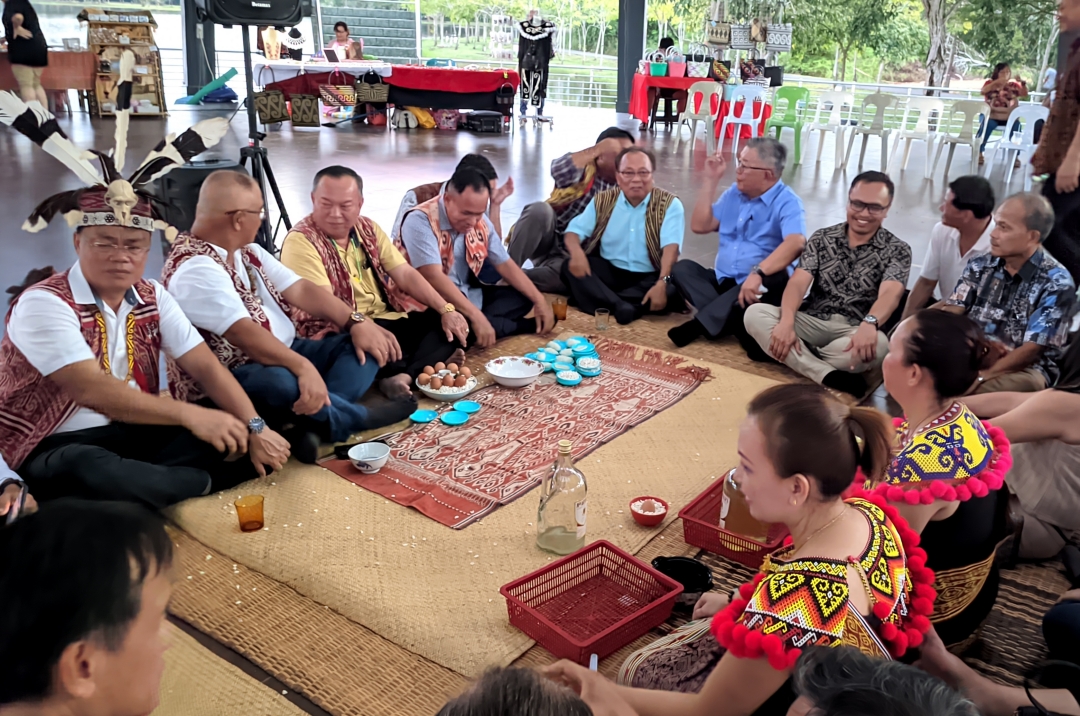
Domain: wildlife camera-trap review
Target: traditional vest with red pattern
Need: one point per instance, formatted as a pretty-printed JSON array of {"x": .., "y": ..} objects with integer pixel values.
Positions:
[
  {"x": 426, "y": 192},
  {"x": 181, "y": 385},
  {"x": 476, "y": 239},
  {"x": 32, "y": 406},
  {"x": 310, "y": 327}
]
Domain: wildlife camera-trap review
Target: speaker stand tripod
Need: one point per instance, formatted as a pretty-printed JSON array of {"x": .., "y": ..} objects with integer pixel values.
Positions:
[{"x": 256, "y": 154}]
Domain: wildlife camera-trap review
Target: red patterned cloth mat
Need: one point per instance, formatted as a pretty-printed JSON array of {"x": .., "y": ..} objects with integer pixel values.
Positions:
[{"x": 457, "y": 475}]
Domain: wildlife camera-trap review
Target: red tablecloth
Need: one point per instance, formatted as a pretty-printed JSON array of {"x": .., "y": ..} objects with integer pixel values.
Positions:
[
  {"x": 639, "y": 101},
  {"x": 66, "y": 71},
  {"x": 451, "y": 79}
]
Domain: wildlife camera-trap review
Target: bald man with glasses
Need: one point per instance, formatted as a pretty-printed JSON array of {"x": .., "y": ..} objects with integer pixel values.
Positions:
[{"x": 852, "y": 276}]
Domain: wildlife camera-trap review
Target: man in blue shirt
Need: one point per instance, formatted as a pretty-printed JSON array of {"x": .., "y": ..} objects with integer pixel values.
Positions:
[
  {"x": 762, "y": 230},
  {"x": 623, "y": 246}
]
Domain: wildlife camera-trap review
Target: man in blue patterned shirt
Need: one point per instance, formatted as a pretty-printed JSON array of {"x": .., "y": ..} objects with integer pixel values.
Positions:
[{"x": 1020, "y": 296}]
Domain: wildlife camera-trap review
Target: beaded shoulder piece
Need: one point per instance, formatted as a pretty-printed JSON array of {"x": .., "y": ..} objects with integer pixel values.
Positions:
[
  {"x": 955, "y": 457},
  {"x": 791, "y": 605}
]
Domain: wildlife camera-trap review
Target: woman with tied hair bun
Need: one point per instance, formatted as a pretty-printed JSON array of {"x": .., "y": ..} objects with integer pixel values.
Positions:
[
  {"x": 949, "y": 467},
  {"x": 847, "y": 576}
]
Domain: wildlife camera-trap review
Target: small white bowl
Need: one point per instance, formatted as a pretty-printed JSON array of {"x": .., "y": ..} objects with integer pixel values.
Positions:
[
  {"x": 514, "y": 371},
  {"x": 369, "y": 458}
]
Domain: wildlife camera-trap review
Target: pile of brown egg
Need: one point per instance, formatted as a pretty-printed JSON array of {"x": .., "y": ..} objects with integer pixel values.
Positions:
[{"x": 442, "y": 376}]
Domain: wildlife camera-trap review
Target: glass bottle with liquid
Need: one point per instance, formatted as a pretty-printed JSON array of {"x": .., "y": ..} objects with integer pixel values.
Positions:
[
  {"x": 560, "y": 520},
  {"x": 735, "y": 513}
]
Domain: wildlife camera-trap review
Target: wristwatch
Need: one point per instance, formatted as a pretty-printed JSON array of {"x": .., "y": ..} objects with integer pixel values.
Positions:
[
  {"x": 354, "y": 318},
  {"x": 256, "y": 425},
  {"x": 871, "y": 319},
  {"x": 448, "y": 308},
  {"x": 666, "y": 279},
  {"x": 756, "y": 268}
]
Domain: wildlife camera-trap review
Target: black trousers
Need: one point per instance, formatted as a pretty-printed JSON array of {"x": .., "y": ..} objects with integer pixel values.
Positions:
[
  {"x": 717, "y": 302},
  {"x": 154, "y": 465},
  {"x": 618, "y": 290},
  {"x": 505, "y": 308},
  {"x": 422, "y": 342},
  {"x": 1064, "y": 240}
]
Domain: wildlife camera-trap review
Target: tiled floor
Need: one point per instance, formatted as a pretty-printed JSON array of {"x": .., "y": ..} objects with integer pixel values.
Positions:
[{"x": 393, "y": 162}]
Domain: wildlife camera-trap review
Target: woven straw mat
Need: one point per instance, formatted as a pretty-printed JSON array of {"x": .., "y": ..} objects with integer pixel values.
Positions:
[
  {"x": 435, "y": 591},
  {"x": 198, "y": 683}
]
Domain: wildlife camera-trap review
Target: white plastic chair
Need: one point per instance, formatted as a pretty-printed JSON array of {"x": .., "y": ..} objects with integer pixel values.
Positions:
[
  {"x": 705, "y": 113},
  {"x": 829, "y": 118},
  {"x": 748, "y": 94},
  {"x": 918, "y": 109},
  {"x": 874, "y": 126},
  {"x": 1023, "y": 142},
  {"x": 969, "y": 134}
]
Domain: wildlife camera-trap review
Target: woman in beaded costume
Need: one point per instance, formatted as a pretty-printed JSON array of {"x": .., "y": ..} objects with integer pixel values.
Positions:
[
  {"x": 948, "y": 469},
  {"x": 847, "y": 576}
]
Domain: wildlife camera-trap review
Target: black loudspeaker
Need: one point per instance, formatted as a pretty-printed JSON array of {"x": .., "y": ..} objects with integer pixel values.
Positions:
[
  {"x": 179, "y": 191},
  {"x": 251, "y": 12},
  {"x": 307, "y": 8}
]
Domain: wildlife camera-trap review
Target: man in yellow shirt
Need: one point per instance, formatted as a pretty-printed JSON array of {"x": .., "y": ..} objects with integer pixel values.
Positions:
[{"x": 353, "y": 258}]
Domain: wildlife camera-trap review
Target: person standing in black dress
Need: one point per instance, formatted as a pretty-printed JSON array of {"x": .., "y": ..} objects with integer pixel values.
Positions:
[
  {"x": 27, "y": 50},
  {"x": 534, "y": 55}
]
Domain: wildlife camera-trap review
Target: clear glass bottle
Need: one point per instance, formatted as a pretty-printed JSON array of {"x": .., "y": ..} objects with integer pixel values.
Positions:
[
  {"x": 735, "y": 513},
  {"x": 560, "y": 520}
]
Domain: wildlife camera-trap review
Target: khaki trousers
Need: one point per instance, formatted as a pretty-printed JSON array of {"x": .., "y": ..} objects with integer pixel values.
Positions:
[
  {"x": 823, "y": 343},
  {"x": 1029, "y": 380}
]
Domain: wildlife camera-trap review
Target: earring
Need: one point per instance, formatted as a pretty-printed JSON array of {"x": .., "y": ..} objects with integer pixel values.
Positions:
[{"x": 794, "y": 502}]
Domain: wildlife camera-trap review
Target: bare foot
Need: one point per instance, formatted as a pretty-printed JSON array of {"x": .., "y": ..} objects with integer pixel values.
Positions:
[
  {"x": 458, "y": 357},
  {"x": 396, "y": 386}
]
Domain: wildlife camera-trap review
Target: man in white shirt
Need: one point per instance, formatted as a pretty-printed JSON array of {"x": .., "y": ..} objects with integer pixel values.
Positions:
[
  {"x": 962, "y": 234},
  {"x": 244, "y": 301},
  {"x": 80, "y": 390}
]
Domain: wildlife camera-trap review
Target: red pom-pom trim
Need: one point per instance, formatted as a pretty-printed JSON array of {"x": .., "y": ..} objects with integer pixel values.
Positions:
[{"x": 990, "y": 479}]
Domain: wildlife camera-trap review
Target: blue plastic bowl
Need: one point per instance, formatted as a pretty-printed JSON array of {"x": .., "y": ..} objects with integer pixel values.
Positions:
[
  {"x": 423, "y": 416},
  {"x": 454, "y": 417},
  {"x": 467, "y": 406},
  {"x": 568, "y": 377}
]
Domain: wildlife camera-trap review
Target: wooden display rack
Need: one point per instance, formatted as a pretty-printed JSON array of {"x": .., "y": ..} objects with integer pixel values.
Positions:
[{"x": 109, "y": 33}]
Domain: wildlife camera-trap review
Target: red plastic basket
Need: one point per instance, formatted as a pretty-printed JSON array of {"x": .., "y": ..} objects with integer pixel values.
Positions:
[
  {"x": 595, "y": 601},
  {"x": 701, "y": 528}
]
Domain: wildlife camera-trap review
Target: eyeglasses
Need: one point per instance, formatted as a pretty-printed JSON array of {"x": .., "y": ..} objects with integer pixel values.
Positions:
[
  {"x": 643, "y": 174},
  {"x": 874, "y": 209},
  {"x": 261, "y": 213},
  {"x": 104, "y": 247},
  {"x": 748, "y": 167}
]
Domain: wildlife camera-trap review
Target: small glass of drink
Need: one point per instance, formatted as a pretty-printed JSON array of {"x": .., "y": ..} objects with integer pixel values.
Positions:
[
  {"x": 249, "y": 510},
  {"x": 603, "y": 319},
  {"x": 558, "y": 307}
]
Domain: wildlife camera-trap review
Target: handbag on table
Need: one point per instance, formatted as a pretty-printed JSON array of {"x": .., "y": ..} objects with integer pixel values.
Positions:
[
  {"x": 337, "y": 94},
  {"x": 372, "y": 88},
  {"x": 720, "y": 70},
  {"x": 270, "y": 104},
  {"x": 657, "y": 63},
  {"x": 676, "y": 63},
  {"x": 305, "y": 110},
  {"x": 698, "y": 61},
  {"x": 779, "y": 37}
]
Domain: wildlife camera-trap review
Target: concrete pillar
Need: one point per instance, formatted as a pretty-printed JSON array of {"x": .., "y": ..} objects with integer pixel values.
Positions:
[
  {"x": 631, "y": 48},
  {"x": 196, "y": 34}
]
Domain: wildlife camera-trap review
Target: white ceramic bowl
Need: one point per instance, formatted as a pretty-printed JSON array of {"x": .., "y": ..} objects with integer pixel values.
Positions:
[
  {"x": 369, "y": 457},
  {"x": 514, "y": 371},
  {"x": 446, "y": 394}
]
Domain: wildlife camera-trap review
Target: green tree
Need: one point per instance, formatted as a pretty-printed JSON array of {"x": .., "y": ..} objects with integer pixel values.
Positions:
[
  {"x": 1020, "y": 32},
  {"x": 851, "y": 26}
]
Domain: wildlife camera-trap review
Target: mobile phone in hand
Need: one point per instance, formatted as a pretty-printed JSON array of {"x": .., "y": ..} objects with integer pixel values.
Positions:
[{"x": 17, "y": 506}]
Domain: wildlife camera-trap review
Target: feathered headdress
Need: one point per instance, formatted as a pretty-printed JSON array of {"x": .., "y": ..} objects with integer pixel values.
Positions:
[{"x": 107, "y": 199}]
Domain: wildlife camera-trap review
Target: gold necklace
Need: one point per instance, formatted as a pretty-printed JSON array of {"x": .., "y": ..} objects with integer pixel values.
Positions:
[
  {"x": 821, "y": 529},
  {"x": 129, "y": 343}
]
